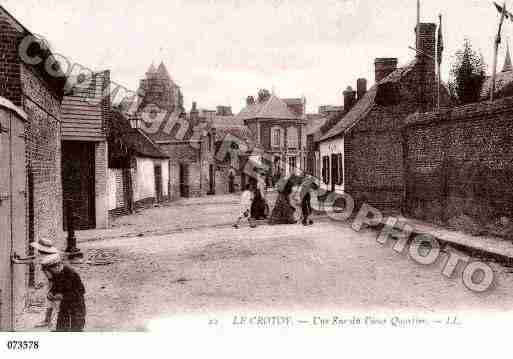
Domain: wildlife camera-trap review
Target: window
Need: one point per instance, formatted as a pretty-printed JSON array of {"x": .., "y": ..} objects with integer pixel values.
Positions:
[
  {"x": 340, "y": 170},
  {"x": 276, "y": 137},
  {"x": 334, "y": 168},
  {"x": 326, "y": 169},
  {"x": 292, "y": 137}
]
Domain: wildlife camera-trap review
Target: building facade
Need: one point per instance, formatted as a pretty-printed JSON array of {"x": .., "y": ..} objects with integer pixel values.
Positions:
[
  {"x": 279, "y": 128},
  {"x": 369, "y": 136},
  {"x": 30, "y": 88}
]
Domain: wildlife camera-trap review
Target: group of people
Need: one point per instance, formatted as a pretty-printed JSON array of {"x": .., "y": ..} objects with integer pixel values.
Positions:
[
  {"x": 66, "y": 309},
  {"x": 253, "y": 204}
]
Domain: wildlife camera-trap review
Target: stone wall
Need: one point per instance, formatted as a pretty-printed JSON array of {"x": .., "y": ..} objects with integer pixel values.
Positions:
[{"x": 460, "y": 163}]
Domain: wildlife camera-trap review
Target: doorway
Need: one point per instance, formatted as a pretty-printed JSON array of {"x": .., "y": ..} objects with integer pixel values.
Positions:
[
  {"x": 158, "y": 183},
  {"x": 78, "y": 183},
  {"x": 184, "y": 180},
  {"x": 212, "y": 179}
]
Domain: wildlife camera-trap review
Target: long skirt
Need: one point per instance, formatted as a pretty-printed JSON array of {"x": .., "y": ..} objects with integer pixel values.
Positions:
[{"x": 283, "y": 211}]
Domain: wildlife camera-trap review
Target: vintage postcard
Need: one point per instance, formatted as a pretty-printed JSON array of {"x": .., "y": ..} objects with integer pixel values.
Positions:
[{"x": 175, "y": 171}]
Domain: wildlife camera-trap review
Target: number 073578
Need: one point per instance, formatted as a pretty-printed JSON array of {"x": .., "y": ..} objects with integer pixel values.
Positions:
[{"x": 20, "y": 345}]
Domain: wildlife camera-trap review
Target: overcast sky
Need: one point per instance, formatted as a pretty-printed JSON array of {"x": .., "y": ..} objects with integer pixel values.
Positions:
[{"x": 220, "y": 51}]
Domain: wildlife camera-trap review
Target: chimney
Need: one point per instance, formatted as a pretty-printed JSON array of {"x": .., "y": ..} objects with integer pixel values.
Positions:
[
  {"x": 383, "y": 66},
  {"x": 426, "y": 44},
  {"x": 349, "y": 98},
  {"x": 361, "y": 88},
  {"x": 224, "y": 111},
  {"x": 250, "y": 100}
]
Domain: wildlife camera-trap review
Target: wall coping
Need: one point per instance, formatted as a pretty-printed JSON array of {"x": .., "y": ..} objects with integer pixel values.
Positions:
[
  {"x": 464, "y": 112},
  {"x": 5, "y": 103}
]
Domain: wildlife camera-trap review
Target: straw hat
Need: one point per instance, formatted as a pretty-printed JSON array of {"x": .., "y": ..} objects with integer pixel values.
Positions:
[
  {"x": 50, "y": 260},
  {"x": 44, "y": 246}
]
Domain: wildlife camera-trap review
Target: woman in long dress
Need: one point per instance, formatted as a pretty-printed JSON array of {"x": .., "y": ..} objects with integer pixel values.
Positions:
[{"x": 283, "y": 211}]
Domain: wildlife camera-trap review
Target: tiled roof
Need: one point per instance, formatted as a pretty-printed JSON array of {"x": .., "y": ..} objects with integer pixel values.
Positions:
[
  {"x": 273, "y": 108},
  {"x": 232, "y": 125},
  {"x": 366, "y": 103},
  {"x": 124, "y": 136},
  {"x": 359, "y": 110},
  {"x": 315, "y": 122}
]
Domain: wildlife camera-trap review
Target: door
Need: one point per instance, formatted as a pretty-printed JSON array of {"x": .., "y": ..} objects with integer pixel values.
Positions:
[
  {"x": 212, "y": 179},
  {"x": 158, "y": 183},
  {"x": 13, "y": 232},
  {"x": 78, "y": 183},
  {"x": 184, "y": 180}
]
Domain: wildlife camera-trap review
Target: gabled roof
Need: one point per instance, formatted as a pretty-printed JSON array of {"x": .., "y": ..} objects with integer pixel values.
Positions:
[
  {"x": 273, "y": 108},
  {"x": 366, "y": 103},
  {"x": 123, "y": 136},
  {"x": 315, "y": 122},
  {"x": 231, "y": 125},
  {"x": 152, "y": 69},
  {"x": 8, "y": 23}
]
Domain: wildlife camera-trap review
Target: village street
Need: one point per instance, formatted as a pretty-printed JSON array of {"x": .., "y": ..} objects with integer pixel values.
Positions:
[{"x": 210, "y": 267}]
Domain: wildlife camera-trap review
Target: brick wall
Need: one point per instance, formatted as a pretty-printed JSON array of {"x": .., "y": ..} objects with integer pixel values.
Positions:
[
  {"x": 43, "y": 145},
  {"x": 461, "y": 162},
  {"x": 10, "y": 85}
]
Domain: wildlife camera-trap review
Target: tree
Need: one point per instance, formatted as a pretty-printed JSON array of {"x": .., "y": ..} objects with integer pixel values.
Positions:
[
  {"x": 263, "y": 95},
  {"x": 467, "y": 74}
]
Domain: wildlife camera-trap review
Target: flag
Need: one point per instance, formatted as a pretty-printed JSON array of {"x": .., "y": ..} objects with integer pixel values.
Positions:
[
  {"x": 504, "y": 14},
  {"x": 440, "y": 42},
  {"x": 507, "y": 14}
]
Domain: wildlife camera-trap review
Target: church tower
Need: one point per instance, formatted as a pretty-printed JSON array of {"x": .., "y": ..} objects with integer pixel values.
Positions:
[{"x": 159, "y": 89}]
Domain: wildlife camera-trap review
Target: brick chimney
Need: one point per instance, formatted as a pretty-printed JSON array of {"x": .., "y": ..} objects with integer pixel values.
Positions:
[
  {"x": 383, "y": 66},
  {"x": 426, "y": 43},
  {"x": 250, "y": 100},
  {"x": 361, "y": 88},
  {"x": 349, "y": 98},
  {"x": 224, "y": 111}
]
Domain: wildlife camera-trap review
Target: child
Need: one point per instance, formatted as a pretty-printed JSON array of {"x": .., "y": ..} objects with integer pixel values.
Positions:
[
  {"x": 246, "y": 199},
  {"x": 69, "y": 290},
  {"x": 44, "y": 247}
]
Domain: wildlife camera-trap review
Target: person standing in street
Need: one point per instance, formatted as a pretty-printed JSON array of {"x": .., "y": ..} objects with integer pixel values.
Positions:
[
  {"x": 246, "y": 199},
  {"x": 69, "y": 290},
  {"x": 306, "y": 205}
]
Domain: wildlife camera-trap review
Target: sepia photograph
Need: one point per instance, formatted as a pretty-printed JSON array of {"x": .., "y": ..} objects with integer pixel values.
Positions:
[{"x": 248, "y": 168}]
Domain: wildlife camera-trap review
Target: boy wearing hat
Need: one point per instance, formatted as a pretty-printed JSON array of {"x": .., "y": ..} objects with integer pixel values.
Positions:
[{"x": 67, "y": 287}]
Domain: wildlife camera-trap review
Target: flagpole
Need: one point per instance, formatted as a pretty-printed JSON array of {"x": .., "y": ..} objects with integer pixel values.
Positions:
[
  {"x": 496, "y": 50},
  {"x": 439, "y": 61},
  {"x": 418, "y": 23}
]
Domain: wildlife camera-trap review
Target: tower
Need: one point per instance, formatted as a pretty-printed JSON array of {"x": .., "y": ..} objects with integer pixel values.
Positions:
[{"x": 158, "y": 88}]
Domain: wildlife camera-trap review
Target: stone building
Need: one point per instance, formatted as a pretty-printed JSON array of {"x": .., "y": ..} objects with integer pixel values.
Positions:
[
  {"x": 364, "y": 150},
  {"x": 158, "y": 88},
  {"x": 30, "y": 87},
  {"x": 279, "y": 128}
]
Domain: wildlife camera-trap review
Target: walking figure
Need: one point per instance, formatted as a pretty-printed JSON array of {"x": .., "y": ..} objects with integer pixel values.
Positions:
[{"x": 246, "y": 199}]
